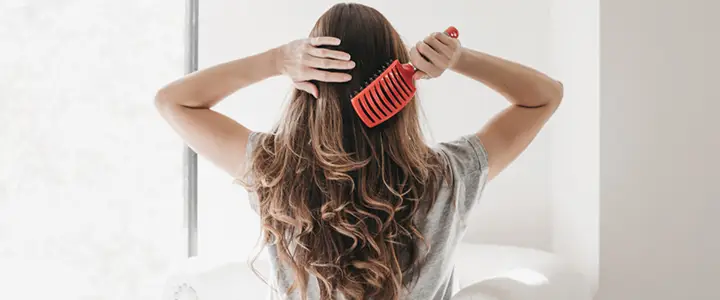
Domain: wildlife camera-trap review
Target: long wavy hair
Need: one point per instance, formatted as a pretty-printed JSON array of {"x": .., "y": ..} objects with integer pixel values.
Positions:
[{"x": 338, "y": 200}]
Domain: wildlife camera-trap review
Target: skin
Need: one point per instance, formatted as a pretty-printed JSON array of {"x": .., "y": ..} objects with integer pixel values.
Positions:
[
  {"x": 533, "y": 96},
  {"x": 186, "y": 103}
]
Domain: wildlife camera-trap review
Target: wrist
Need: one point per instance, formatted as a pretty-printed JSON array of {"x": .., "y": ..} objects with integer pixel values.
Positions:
[
  {"x": 461, "y": 55},
  {"x": 275, "y": 56}
]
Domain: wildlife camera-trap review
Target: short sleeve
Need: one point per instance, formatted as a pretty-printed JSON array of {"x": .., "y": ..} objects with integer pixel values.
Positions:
[
  {"x": 468, "y": 163},
  {"x": 253, "y": 139}
]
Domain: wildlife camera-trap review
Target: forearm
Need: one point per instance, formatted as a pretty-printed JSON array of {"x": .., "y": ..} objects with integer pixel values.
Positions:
[
  {"x": 204, "y": 89},
  {"x": 521, "y": 85}
]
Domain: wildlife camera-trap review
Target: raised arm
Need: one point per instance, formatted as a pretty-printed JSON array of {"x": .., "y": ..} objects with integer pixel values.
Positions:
[
  {"x": 533, "y": 96},
  {"x": 186, "y": 103}
]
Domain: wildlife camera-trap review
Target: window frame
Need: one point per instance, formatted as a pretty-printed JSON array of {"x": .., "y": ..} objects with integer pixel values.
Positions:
[{"x": 190, "y": 161}]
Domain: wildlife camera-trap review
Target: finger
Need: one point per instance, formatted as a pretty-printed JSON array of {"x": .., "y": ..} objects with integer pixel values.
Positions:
[
  {"x": 327, "y": 53},
  {"x": 437, "y": 45},
  {"x": 420, "y": 75},
  {"x": 324, "y": 40},
  {"x": 434, "y": 57},
  {"x": 420, "y": 63},
  {"x": 308, "y": 87},
  {"x": 447, "y": 40},
  {"x": 323, "y": 63},
  {"x": 326, "y": 76}
]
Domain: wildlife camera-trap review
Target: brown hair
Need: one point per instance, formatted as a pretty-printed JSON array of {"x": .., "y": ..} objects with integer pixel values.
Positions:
[{"x": 341, "y": 201}]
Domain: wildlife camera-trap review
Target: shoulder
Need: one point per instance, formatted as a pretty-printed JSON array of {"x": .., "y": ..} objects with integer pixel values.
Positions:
[
  {"x": 467, "y": 161},
  {"x": 255, "y": 139},
  {"x": 465, "y": 155}
]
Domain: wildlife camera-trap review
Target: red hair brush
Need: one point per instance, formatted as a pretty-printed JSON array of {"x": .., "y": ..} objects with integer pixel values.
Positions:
[{"x": 389, "y": 92}]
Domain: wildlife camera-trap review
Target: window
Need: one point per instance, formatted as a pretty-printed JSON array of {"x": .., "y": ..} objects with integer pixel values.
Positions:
[{"x": 90, "y": 176}]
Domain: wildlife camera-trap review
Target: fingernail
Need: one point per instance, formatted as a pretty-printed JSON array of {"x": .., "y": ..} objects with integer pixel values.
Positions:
[{"x": 352, "y": 64}]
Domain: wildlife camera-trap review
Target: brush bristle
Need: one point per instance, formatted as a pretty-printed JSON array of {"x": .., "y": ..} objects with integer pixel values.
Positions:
[{"x": 372, "y": 78}]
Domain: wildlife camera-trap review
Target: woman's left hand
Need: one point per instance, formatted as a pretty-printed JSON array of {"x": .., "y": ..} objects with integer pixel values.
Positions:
[
  {"x": 303, "y": 61},
  {"x": 434, "y": 55}
]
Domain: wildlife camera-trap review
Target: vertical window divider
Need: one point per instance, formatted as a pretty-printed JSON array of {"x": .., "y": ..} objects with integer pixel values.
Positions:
[{"x": 190, "y": 163}]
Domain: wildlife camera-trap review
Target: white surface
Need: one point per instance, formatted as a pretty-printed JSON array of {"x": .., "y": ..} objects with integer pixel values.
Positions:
[
  {"x": 517, "y": 29},
  {"x": 209, "y": 279},
  {"x": 486, "y": 272},
  {"x": 510, "y": 273},
  {"x": 660, "y": 150},
  {"x": 575, "y": 146}
]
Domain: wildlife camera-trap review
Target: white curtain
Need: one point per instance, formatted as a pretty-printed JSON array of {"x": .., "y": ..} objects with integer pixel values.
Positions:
[{"x": 90, "y": 176}]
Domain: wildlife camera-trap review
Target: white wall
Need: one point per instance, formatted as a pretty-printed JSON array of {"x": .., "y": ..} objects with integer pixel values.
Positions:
[
  {"x": 90, "y": 175},
  {"x": 575, "y": 134},
  {"x": 659, "y": 150},
  {"x": 516, "y": 207}
]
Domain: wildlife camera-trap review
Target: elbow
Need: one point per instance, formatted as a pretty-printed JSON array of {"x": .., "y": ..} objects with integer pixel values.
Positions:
[
  {"x": 554, "y": 94},
  {"x": 162, "y": 100},
  {"x": 174, "y": 97},
  {"x": 560, "y": 90},
  {"x": 164, "y": 103},
  {"x": 548, "y": 94}
]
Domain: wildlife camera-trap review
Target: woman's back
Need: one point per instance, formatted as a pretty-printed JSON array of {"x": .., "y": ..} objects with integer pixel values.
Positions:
[{"x": 441, "y": 223}]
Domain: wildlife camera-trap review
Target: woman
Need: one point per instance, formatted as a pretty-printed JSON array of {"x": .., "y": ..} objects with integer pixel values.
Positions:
[{"x": 349, "y": 211}]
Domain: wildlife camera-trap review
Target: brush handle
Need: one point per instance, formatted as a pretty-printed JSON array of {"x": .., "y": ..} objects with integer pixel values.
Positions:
[{"x": 452, "y": 32}]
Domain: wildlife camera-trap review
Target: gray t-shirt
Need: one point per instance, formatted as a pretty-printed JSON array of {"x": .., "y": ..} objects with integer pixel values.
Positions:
[{"x": 444, "y": 225}]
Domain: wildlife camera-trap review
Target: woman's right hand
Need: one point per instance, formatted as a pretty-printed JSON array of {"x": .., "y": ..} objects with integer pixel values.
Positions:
[
  {"x": 433, "y": 55},
  {"x": 302, "y": 61}
]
